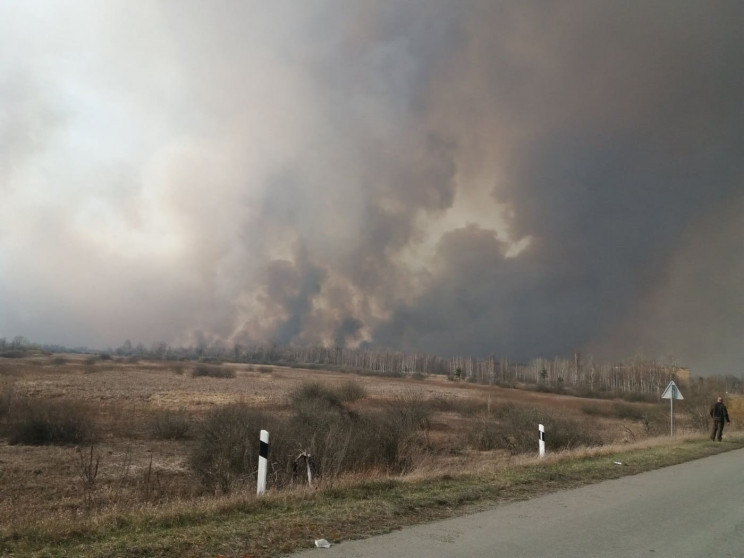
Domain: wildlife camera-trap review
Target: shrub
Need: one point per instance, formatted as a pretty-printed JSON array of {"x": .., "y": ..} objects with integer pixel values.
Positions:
[
  {"x": 484, "y": 435},
  {"x": 59, "y": 361},
  {"x": 351, "y": 391},
  {"x": 312, "y": 394},
  {"x": 406, "y": 430},
  {"x": 518, "y": 426},
  {"x": 594, "y": 411},
  {"x": 626, "y": 411},
  {"x": 225, "y": 454},
  {"x": 50, "y": 422},
  {"x": 411, "y": 409},
  {"x": 342, "y": 441},
  {"x": 213, "y": 371},
  {"x": 170, "y": 425},
  {"x": 265, "y": 369}
]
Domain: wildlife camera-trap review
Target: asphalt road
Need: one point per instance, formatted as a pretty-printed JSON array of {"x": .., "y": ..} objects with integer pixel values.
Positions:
[{"x": 691, "y": 510}]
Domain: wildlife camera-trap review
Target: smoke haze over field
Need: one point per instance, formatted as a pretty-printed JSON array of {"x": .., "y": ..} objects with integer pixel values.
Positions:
[{"x": 455, "y": 177}]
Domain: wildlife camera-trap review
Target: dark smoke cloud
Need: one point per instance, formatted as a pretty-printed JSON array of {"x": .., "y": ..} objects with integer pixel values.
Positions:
[{"x": 516, "y": 179}]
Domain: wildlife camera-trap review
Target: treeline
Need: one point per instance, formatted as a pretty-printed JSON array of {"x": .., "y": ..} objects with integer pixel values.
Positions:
[
  {"x": 576, "y": 374},
  {"x": 18, "y": 347}
]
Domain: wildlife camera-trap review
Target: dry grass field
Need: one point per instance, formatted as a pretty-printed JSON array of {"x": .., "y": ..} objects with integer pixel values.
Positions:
[{"x": 148, "y": 419}]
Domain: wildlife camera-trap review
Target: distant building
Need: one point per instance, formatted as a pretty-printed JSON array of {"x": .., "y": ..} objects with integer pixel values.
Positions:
[{"x": 682, "y": 375}]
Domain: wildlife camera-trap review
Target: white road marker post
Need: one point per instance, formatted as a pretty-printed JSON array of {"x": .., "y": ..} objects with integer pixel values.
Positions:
[
  {"x": 263, "y": 454},
  {"x": 541, "y": 428}
]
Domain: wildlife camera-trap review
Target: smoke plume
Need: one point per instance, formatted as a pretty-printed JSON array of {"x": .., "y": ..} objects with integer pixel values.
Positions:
[{"x": 467, "y": 177}]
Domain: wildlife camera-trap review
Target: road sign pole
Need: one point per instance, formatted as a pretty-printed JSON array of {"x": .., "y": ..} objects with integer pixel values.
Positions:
[
  {"x": 671, "y": 392},
  {"x": 671, "y": 414}
]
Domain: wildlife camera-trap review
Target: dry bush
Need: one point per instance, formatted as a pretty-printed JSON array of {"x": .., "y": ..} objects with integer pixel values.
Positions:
[
  {"x": 88, "y": 472},
  {"x": 412, "y": 411},
  {"x": 697, "y": 403},
  {"x": 655, "y": 423},
  {"x": 338, "y": 440},
  {"x": 225, "y": 455},
  {"x": 699, "y": 416},
  {"x": 265, "y": 369},
  {"x": 595, "y": 411},
  {"x": 617, "y": 410},
  {"x": 627, "y": 411},
  {"x": 170, "y": 425},
  {"x": 484, "y": 434},
  {"x": 518, "y": 430},
  {"x": 406, "y": 430},
  {"x": 351, "y": 391},
  {"x": 323, "y": 427},
  {"x": 342, "y": 441},
  {"x": 50, "y": 422},
  {"x": 212, "y": 371},
  {"x": 313, "y": 394},
  {"x": 225, "y": 452}
]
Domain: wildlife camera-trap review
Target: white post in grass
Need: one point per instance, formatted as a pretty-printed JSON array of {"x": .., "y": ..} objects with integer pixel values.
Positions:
[
  {"x": 263, "y": 454},
  {"x": 541, "y": 428}
]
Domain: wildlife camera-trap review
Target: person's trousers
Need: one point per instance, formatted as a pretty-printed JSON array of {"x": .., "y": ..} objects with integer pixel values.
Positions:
[{"x": 717, "y": 432}]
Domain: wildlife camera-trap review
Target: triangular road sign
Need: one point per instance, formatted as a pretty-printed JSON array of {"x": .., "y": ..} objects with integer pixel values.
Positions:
[{"x": 671, "y": 392}]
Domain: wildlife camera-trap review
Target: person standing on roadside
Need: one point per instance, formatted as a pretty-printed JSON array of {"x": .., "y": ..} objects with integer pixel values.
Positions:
[{"x": 719, "y": 413}]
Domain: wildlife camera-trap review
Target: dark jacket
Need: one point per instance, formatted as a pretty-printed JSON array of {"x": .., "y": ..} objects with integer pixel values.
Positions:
[{"x": 719, "y": 412}]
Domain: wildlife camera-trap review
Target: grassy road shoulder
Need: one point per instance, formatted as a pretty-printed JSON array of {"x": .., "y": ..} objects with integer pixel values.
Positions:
[{"x": 281, "y": 523}]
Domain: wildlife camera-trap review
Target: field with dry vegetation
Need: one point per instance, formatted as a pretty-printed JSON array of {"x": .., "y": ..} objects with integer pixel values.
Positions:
[{"x": 87, "y": 440}]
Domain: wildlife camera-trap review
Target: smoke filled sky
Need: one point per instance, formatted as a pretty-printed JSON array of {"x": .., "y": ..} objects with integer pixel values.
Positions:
[{"x": 455, "y": 177}]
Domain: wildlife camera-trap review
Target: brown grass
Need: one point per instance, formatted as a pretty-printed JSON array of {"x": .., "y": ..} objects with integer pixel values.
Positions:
[{"x": 140, "y": 411}]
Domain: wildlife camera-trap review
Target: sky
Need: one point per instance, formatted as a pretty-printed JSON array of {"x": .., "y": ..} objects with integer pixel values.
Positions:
[{"x": 463, "y": 177}]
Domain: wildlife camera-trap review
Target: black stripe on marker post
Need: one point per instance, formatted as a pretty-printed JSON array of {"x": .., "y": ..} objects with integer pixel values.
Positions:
[
  {"x": 542, "y": 436},
  {"x": 263, "y": 450}
]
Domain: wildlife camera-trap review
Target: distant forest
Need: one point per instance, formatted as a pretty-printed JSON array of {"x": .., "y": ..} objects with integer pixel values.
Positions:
[{"x": 577, "y": 374}]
